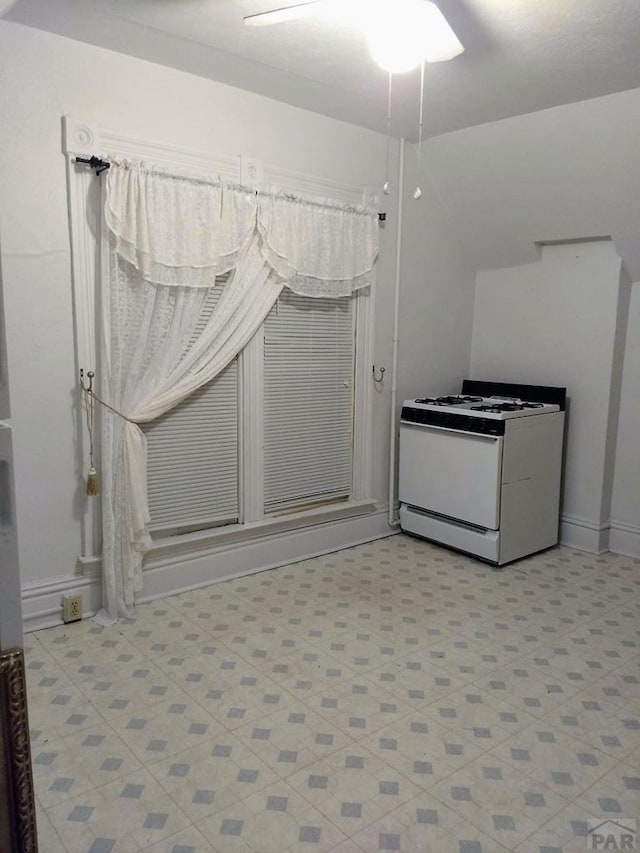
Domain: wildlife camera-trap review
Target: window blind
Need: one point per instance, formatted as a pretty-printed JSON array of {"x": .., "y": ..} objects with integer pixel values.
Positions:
[
  {"x": 192, "y": 452},
  {"x": 308, "y": 401}
]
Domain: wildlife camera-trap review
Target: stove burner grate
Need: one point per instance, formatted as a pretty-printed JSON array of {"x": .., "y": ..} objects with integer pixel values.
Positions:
[
  {"x": 454, "y": 400},
  {"x": 506, "y": 407}
]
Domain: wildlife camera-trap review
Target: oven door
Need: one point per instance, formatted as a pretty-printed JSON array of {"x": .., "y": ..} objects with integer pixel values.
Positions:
[{"x": 452, "y": 473}]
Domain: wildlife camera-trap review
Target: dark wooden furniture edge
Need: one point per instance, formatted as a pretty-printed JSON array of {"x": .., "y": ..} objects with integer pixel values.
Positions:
[{"x": 14, "y": 723}]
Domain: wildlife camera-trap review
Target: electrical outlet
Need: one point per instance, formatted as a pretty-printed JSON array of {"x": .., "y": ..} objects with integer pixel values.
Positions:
[{"x": 71, "y": 608}]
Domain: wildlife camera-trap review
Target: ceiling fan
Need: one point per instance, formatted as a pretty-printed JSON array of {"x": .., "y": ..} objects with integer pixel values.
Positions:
[{"x": 401, "y": 33}]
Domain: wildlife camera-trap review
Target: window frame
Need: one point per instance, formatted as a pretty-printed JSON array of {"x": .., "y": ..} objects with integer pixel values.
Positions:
[{"x": 82, "y": 139}]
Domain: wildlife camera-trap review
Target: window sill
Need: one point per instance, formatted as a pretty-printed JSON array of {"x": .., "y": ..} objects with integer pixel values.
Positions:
[{"x": 197, "y": 543}]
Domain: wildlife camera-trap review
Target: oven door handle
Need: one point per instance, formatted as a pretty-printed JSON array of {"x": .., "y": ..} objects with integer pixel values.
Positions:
[{"x": 463, "y": 433}]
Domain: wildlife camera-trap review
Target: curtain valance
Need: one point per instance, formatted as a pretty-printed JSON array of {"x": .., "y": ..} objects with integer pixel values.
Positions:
[{"x": 180, "y": 231}]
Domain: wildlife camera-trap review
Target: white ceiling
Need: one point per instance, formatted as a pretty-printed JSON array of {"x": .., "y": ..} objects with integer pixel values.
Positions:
[{"x": 521, "y": 55}]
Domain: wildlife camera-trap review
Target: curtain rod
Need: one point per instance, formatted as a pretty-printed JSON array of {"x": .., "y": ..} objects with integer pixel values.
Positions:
[
  {"x": 94, "y": 163},
  {"x": 101, "y": 166}
]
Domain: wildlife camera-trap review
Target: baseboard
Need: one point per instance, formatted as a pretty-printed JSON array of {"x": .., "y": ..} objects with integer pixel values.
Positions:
[
  {"x": 164, "y": 577},
  {"x": 42, "y": 601},
  {"x": 624, "y": 539},
  {"x": 584, "y": 535}
]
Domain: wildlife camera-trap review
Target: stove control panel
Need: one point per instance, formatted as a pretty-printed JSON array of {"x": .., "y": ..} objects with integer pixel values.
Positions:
[{"x": 452, "y": 420}]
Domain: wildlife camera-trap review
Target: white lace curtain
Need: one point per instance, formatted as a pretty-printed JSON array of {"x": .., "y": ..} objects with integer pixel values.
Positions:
[{"x": 167, "y": 238}]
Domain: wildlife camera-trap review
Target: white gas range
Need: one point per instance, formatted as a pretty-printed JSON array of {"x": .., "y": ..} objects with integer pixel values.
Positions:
[{"x": 480, "y": 471}]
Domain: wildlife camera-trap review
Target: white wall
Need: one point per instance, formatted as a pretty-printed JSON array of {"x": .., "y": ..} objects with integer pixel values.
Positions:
[
  {"x": 557, "y": 322},
  {"x": 45, "y": 76},
  {"x": 564, "y": 173},
  {"x": 438, "y": 286},
  {"x": 10, "y": 617},
  {"x": 625, "y": 499}
]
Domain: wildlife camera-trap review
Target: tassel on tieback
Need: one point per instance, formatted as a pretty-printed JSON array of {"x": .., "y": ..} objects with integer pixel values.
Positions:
[{"x": 93, "y": 485}]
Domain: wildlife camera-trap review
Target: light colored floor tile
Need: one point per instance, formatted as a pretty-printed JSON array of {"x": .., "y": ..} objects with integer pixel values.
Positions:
[
  {"x": 199, "y": 662},
  {"x": 367, "y": 612},
  {"x": 431, "y": 702},
  {"x": 565, "y": 765},
  {"x": 272, "y": 821},
  {"x": 608, "y": 646},
  {"x": 544, "y": 840},
  {"x": 48, "y": 838},
  {"x": 571, "y": 827},
  {"x": 44, "y": 680},
  {"x": 62, "y": 712},
  {"x": 473, "y": 714},
  {"x": 98, "y": 818},
  {"x": 348, "y": 846},
  {"x": 68, "y": 767},
  {"x": 620, "y": 687},
  {"x": 85, "y": 632},
  {"x": 415, "y": 680},
  {"x": 157, "y": 731},
  {"x": 526, "y": 687},
  {"x": 38, "y": 661},
  {"x": 633, "y": 759},
  {"x": 467, "y": 658},
  {"x": 616, "y": 794},
  {"x": 504, "y": 803},
  {"x": 309, "y": 670},
  {"x": 421, "y": 749},
  {"x": 116, "y": 693},
  {"x": 168, "y": 632},
  {"x": 229, "y": 688},
  {"x": 221, "y": 618},
  {"x": 621, "y": 622},
  {"x": 189, "y": 840},
  {"x": 353, "y": 787},
  {"x": 614, "y": 729},
  {"x": 264, "y": 642},
  {"x": 360, "y": 708},
  {"x": 205, "y": 781},
  {"x": 140, "y": 809},
  {"x": 361, "y": 650},
  {"x": 292, "y": 738},
  {"x": 397, "y": 832},
  {"x": 314, "y": 624},
  {"x": 109, "y": 647}
]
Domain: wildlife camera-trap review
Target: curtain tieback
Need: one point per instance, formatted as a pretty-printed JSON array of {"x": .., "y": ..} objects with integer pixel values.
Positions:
[
  {"x": 91, "y": 398},
  {"x": 95, "y": 397}
]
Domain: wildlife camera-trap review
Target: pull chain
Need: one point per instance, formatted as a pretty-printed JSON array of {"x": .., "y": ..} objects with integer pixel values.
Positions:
[
  {"x": 386, "y": 188},
  {"x": 417, "y": 193}
]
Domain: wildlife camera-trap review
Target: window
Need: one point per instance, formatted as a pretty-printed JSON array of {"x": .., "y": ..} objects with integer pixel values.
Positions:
[
  {"x": 192, "y": 459},
  {"x": 220, "y": 459},
  {"x": 299, "y": 415},
  {"x": 192, "y": 451},
  {"x": 308, "y": 401}
]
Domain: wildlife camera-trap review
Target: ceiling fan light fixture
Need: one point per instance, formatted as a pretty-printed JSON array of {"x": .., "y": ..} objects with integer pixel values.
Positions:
[
  {"x": 403, "y": 34},
  {"x": 440, "y": 43},
  {"x": 392, "y": 56},
  {"x": 394, "y": 42}
]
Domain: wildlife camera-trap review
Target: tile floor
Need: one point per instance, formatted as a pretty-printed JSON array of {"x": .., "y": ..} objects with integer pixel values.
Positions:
[{"x": 390, "y": 697}]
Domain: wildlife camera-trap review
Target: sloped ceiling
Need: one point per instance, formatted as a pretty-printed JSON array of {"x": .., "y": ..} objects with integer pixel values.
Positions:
[{"x": 521, "y": 55}]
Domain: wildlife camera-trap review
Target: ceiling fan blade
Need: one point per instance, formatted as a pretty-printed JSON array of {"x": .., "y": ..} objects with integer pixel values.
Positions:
[{"x": 288, "y": 13}]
